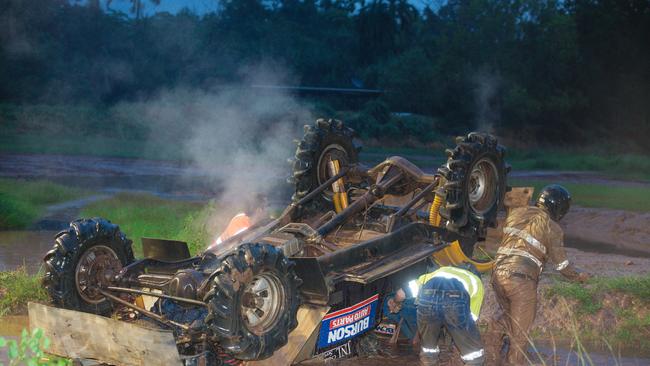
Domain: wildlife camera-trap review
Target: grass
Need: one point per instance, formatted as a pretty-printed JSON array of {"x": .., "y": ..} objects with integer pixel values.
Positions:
[
  {"x": 616, "y": 165},
  {"x": 625, "y": 166},
  {"x": 632, "y": 324},
  {"x": 589, "y": 295},
  {"x": 125, "y": 130},
  {"x": 598, "y": 195},
  {"x": 22, "y": 201},
  {"x": 87, "y": 145},
  {"x": 143, "y": 215},
  {"x": 17, "y": 288}
]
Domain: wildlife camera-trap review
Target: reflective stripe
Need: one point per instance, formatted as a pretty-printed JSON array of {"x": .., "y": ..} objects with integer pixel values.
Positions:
[
  {"x": 527, "y": 237},
  {"x": 521, "y": 253},
  {"x": 474, "y": 317},
  {"x": 562, "y": 265},
  {"x": 413, "y": 286},
  {"x": 473, "y": 355},
  {"x": 430, "y": 350}
]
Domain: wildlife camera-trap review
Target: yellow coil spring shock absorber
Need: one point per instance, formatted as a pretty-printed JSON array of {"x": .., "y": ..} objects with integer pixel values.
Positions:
[
  {"x": 434, "y": 210},
  {"x": 340, "y": 197},
  {"x": 452, "y": 254}
]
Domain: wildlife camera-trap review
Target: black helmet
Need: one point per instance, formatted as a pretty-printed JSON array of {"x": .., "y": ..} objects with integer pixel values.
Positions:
[{"x": 555, "y": 199}]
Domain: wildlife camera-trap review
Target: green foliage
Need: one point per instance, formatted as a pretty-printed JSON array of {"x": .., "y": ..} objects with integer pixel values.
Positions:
[
  {"x": 144, "y": 215},
  {"x": 22, "y": 201},
  {"x": 588, "y": 304},
  {"x": 30, "y": 350},
  {"x": 538, "y": 71},
  {"x": 631, "y": 198},
  {"x": 589, "y": 297},
  {"x": 17, "y": 288},
  {"x": 628, "y": 166}
]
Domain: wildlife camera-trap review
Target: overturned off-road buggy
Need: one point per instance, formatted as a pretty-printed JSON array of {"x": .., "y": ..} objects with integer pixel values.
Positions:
[{"x": 350, "y": 235}]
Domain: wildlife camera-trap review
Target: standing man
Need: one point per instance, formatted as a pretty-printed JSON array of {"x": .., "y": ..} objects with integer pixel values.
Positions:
[
  {"x": 531, "y": 237},
  {"x": 449, "y": 297}
]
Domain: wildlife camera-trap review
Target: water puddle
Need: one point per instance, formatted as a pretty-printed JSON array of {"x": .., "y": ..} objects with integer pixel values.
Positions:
[{"x": 18, "y": 248}]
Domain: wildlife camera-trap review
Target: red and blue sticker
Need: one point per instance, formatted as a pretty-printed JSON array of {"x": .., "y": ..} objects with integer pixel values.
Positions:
[{"x": 348, "y": 323}]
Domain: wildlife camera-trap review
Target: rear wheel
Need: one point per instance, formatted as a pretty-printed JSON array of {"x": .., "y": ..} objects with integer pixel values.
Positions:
[
  {"x": 475, "y": 186},
  {"x": 84, "y": 258},
  {"x": 324, "y": 141},
  {"x": 254, "y": 301}
]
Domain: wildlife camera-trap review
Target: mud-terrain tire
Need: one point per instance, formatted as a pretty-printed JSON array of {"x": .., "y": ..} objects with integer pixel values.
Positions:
[
  {"x": 247, "y": 281},
  {"x": 475, "y": 187},
  {"x": 80, "y": 255},
  {"x": 327, "y": 137}
]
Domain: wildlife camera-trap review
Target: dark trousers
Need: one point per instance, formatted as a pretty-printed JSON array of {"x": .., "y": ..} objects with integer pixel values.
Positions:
[{"x": 445, "y": 303}]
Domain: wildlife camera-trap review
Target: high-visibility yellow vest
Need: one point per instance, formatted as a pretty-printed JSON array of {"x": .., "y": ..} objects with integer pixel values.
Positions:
[{"x": 471, "y": 282}]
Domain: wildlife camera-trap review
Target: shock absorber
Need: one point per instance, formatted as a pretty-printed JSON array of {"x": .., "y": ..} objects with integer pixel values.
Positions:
[
  {"x": 434, "y": 209},
  {"x": 434, "y": 214},
  {"x": 340, "y": 197}
]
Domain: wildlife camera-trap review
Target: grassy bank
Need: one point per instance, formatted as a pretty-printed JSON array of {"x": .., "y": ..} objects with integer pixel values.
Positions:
[
  {"x": 129, "y": 130},
  {"x": 22, "y": 202},
  {"x": 17, "y": 288},
  {"x": 612, "y": 310},
  {"x": 616, "y": 165},
  {"x": 598, "y": 195},
  {"x": 142, "y": 215}
]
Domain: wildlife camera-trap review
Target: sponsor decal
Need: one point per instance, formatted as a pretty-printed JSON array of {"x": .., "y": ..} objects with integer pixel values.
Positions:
[
  {"x": 342, "y": 351},
  {"x": 348, "y": 323},
  {"x": 385, "y": 328}
]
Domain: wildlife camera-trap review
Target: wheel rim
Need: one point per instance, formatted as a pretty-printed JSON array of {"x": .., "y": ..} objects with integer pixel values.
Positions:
[
  {"x": 262, "y": 302},
  {"x": 95, "y": 269},
  {"x": 331, "y": 152},
  {"x": 483, "y": 186}
]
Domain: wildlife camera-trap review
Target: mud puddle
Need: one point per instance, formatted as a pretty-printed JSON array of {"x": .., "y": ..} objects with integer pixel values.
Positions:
[{"x": 545, "y": 354}]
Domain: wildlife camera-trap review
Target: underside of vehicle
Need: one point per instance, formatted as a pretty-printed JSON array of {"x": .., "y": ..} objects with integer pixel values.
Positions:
[{"x": 351, "y": 235}]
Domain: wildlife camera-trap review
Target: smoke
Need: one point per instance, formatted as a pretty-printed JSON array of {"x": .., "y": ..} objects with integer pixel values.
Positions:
[
  {"x": 486, "y": 98},
  {"x": 239, "y": 139}
]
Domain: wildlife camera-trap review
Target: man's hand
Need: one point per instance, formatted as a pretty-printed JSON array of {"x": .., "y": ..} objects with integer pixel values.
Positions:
[
  {"x": 583, "y": 277},
  {"x": 395, "y": 303}
]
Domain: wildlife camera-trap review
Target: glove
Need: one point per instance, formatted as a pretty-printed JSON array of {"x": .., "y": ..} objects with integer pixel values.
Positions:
[
  {"x": 583, "y": 277},
  {"x": 394, "y": 306}
]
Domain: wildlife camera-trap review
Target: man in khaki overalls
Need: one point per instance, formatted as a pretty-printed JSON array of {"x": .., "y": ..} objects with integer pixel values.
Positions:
[{"x": 531, "y": 237}]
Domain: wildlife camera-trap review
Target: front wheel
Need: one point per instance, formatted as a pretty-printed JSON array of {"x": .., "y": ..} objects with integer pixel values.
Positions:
[
  {"x": 253, "y": 303},
  {"x": 84, "y": 258}
]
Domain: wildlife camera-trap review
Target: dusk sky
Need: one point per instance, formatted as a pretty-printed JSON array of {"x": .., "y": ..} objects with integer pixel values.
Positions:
[{"x": 205, "y": 6}]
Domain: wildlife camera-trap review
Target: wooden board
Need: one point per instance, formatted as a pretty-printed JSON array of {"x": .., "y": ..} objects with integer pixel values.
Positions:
[
  {"x": 81, "y": 335},
  {"x": 301, "y": 340}
]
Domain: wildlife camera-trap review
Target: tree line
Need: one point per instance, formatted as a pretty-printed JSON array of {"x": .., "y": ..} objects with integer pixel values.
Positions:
[{"x": 549, "y": 71}]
